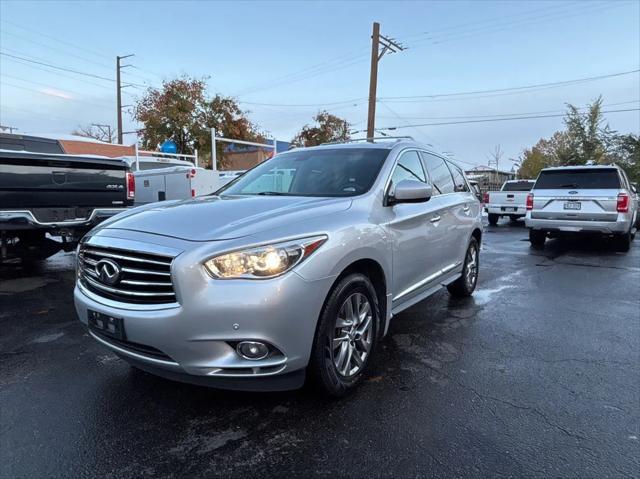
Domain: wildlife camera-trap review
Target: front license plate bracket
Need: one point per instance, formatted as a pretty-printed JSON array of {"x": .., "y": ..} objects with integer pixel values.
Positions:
[{"x": 106, "y": 325}]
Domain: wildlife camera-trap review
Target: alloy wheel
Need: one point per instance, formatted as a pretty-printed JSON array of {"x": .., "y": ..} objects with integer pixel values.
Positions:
[
  {"x": 353, "y": 335},
  {"x": 471, "y": 267}
]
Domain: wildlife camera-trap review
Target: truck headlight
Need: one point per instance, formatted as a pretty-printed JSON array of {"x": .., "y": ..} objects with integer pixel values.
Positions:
[{"x": 266, "y": 261}]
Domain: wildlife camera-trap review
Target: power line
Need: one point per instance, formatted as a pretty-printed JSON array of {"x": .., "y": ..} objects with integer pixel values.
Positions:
[
  {"x": 469, "y": 117},
  {"x": 395, "y": 99},
  {"x": 51, "y": 47},
  {"x": 525, "y": 87},
  {"x": 353, "y": 100},
  {"x": 441, "y": 36},
  {"x": 37, "y": 32},
  {"x": 69, "y": 70},
  {"x": 474, "y": 23},
  {"x": 491, "y": 120}
]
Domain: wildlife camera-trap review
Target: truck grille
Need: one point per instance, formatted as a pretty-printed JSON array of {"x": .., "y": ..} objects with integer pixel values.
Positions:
[{"x": 126, "y": 276}]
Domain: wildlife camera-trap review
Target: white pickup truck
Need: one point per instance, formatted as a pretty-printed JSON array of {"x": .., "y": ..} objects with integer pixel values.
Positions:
[{"x": 510, "y": 201}]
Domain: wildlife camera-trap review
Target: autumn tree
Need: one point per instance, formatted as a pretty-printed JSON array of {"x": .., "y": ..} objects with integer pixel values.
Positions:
[
  {"x": 182, "y": 111},
  {"x": 97, "y": 132},
  {"x": 328, "y": 128},
  {"x": 586, "y": 138}
]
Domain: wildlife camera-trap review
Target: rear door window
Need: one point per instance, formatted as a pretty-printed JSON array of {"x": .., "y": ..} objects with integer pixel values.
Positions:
[
  {"x": 440, "y": 174},
  {"x": 459, "y": 183},
  {"x": 518, "y": 186},
  {"x": 584, "y": 179}
]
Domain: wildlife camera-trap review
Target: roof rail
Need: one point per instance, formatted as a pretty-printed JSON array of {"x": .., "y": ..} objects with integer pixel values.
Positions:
[{"x": 371, "y": 138}]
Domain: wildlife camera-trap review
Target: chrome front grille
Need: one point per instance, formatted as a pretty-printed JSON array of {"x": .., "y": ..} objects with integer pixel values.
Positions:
[{"x": 126, "y": 276}]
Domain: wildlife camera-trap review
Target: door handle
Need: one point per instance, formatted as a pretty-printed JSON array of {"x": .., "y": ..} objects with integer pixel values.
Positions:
[{"x": 435, "y": 219}]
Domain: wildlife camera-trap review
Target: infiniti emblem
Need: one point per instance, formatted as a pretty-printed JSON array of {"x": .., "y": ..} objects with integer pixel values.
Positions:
[{"x": 108, "y": 271}]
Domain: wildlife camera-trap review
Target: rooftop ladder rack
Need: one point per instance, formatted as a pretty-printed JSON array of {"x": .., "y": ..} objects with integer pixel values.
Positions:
[{"x": 371, "y": 139}]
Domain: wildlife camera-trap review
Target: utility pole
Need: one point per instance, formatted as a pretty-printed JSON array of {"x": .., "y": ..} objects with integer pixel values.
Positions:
[
  {"x": 389, "y": 45},
  {"x": 119, "y": 88}
]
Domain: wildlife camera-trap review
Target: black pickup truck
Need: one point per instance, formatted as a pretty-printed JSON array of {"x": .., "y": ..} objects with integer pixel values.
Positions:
[{"x": 44, "y": 191}]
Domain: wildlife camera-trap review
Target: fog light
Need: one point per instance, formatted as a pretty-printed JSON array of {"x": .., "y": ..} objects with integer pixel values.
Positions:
[{"x": 252, "y": 350}]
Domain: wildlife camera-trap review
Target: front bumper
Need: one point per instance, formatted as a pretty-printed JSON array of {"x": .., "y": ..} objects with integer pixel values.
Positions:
[
  {"x": 622, "y": 225},
  {"x": 197, "y": 335}
]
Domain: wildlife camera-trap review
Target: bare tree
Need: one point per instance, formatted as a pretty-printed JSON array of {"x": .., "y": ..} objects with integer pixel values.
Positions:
[{"x": 97, "y": 132}]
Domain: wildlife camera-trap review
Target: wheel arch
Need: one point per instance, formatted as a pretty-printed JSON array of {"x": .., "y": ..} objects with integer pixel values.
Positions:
[
  {"x": 373, "y": 270},
  {"x": 477, "y": 234}
]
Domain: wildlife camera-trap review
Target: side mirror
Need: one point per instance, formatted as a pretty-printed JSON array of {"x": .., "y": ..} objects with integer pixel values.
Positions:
[{"x": 410, "y": 191}]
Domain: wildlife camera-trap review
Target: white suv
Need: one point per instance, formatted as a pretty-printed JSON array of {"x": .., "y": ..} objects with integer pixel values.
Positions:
[{"x": 585, "y": 200}]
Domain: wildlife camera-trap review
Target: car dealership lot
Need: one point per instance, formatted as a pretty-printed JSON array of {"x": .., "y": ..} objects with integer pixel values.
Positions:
[{"x": 537, "y": 375}]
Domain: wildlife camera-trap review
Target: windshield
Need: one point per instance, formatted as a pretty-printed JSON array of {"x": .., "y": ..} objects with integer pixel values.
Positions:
[
  {"x": 578, "y": 179},
  {"x": 518, "y": 186},
  {"x": 323, "y": 172}
]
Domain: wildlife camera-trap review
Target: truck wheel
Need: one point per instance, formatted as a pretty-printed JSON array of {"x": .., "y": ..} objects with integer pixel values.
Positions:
[
  {"x": 34, "y": 246},
  {"x": 466, "y": 284},
  {"x": 622, "y": 242},
  {"x": 493, "y": 219},
  {"x": 537, "y": 238},
  {"x": 346, "y": 336}
]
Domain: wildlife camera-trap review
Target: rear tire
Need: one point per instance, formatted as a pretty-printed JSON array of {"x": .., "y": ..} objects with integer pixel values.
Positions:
[
  {"x": 466, "y": 284},
  {"x": 622, "y": 242},
  {"x": 537, "y": 238},
  {"x": 345, "y": 341},
  {"x": 493, "y": 219}
]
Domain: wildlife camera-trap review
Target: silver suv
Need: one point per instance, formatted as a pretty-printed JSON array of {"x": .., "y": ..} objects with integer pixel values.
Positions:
[
  {"x": 583, "y": 200},
  {"x": 295, "y": 267}
]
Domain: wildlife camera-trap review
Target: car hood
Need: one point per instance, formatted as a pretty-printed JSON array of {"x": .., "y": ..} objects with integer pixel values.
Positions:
[{"x": 220, "y": 218}]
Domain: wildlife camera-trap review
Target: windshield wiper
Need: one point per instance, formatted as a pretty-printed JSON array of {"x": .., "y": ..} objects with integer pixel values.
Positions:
[
  {"x": 272, "y": 193},
  {"x": 569, "y": 185}
]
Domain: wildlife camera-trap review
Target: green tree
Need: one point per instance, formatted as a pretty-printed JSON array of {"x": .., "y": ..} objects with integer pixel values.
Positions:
[
  {"x": 182, "y": 111},
  {"x": 586, "y": 138},
  {"x": 328, "y": 128},
  {"x": 626, "y": 153},
  {"x": 588, "y": 135}
]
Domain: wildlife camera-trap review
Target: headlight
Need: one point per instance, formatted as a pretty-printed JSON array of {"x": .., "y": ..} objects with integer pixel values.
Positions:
[{"x": 265, "y": 261}]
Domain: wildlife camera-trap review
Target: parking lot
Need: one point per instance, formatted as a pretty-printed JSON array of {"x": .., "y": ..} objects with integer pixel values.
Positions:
[{"x": 537, "y": 375}]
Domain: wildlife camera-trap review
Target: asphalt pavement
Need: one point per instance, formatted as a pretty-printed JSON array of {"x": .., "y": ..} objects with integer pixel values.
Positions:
[{"x": 537, "y": 375}]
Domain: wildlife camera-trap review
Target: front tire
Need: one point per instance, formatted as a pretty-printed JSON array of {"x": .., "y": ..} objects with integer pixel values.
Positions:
[
  {"x": 466, "y": 284},
  {"x": 346, "y": 336},
  {"x": 493, "y": 219}
]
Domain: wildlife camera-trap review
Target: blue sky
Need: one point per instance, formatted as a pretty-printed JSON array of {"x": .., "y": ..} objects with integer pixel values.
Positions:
[{"x": 317, "y": 53}]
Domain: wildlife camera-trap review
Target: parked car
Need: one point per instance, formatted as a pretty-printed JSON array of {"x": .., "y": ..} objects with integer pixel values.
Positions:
[
  {"x": 509, "y": 201},
  {"x": 48, "y": 192},
  {"x": 269, "y": 280},
  {"x": 583, "y": 200}
]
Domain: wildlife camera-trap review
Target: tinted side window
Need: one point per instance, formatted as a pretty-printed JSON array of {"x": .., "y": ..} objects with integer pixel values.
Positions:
[
  {"x": 440, "y": 174},
  {"x": 409, "y": 167},
  {"x": 459, "y": 182}
]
